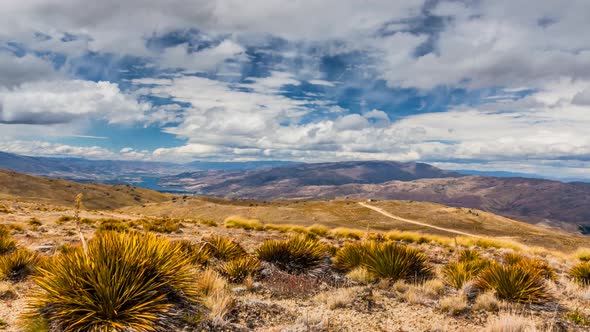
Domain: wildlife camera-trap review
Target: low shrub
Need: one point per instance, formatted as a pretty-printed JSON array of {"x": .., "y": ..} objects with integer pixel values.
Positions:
[
  {"x": 514, "y": 283},
  {"x": 161, "y": 225},
  {"x": 286, "y": 228},
  {"x": 294, "y": 255},
  {"x": 34, "y": 222},
  {"x": 223, "y": 248},
  {"x": 239, "y": 222},
  {"x": 538, "y": 265},
  {"x": 110, "y": 224},
  {"x": 18, "y": 265},
  {"x": 487, "y": 302},
  {"x": 208, "y": 222},
  {"x": 581, "y": 273},
  {"x": 469, "y": 255},
  {"x": 124, "y": 282},
  {"x": 346, "y": 233},
  {"x": 238, "y": 269},
  {"x": 394, "y": 262},
  {"x": 318, "y": 230},
  {"x": 583, "y": 254},
  {"x": 360, "y": 275}
]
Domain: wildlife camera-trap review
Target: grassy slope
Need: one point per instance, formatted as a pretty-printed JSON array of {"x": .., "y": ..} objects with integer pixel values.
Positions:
[
  {"x": 349, "y": 213},
  {"x": 62, "y": 192}
]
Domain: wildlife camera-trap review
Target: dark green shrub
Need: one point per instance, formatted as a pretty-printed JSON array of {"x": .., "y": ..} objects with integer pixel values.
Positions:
[{"x": 393, "y": 261}]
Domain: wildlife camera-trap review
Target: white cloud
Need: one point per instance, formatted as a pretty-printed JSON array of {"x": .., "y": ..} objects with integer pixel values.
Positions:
[
  {"x": 210, "y": 58},
  {"x": 51, "y": 102}
]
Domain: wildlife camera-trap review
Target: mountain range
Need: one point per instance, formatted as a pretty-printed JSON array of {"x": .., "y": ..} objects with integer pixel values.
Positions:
[{"x": 538, "y": 201}]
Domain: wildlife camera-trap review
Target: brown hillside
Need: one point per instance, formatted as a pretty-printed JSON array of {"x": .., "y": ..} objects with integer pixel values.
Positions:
[{"x": 62, "y": 192}]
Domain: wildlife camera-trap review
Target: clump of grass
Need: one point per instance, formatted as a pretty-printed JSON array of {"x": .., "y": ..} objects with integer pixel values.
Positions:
[
  {"x": 208, "y": 222},
  {"x": 578, "y": 317},
  {"x": 34, "y": 222},
  {"x": 7, "y": 244},
  {"x": 238, "y": 269},
  {"x": 239, "y": 222},
  {"x": 489, "y": 243},
  {"x": 487, "y": 302},
  {"x": 583, "y": 254},
  {"x": 538, "y": 265},
  {"x": 223, "y": 248},
  {"x": 199, "y": 254},
  {"x": 110, "y": 224},
  {"x": 63, "y": 219},
  {"x": 122, "y": 282},
  {"x": 412, "y": 237},
  {"x": 161, "y": 225},
  {"x": 514, "y": 283},
  {"x": 318, "y": 230},
  {"x": 581, "y": 273},
  {"x": 510, "y": 323},
  {"x": 352, "y": 255},
  {"x": 454, "y": 304},
  {"x": 210, "y": 282},
  {"x": 346, "y": 233},
  {"x": 286, "y": 228},
  {"x": 360, "y": 275},
  {"x": 18, "y": 265},
  {"x": 394, "y": 262},
  {"x": 294, "y": 255},
  {"x": 457, "y": 274},
  {"x": 469, "y": 255},
  {"x": 5, "y": 209}
]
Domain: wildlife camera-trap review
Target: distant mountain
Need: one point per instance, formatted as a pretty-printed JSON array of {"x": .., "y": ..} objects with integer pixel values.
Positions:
[
  {"x": 115, "y": 171},
  {"x": 62, "y": 192},
  {"x": 538, "y": 201},
  {"x": 504, "y": 174},
  {"x": 297, "y": 176}
]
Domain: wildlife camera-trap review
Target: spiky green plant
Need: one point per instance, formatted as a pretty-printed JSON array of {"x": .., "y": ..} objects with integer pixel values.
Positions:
[
  {"x": 457, "y": 274},
  {"x": 199, "y": 254},
  {"x": 223, "y": 248},
  {"x": 238, "y": 269},
  {"x": 294, "y": 255},
  {"x": 469, "y": 255},
  {"x": 124, "y": 282},
  {"x": 353, "y": 254},
  {"x": 393, "y": 261},
  {"x": 541, "y": 266},
  {"x": 7, "y": 244},
  {"x": 581, "y": 273},
  {"x": 514, "y": 283},
  {"x": 17, "y": 265}
]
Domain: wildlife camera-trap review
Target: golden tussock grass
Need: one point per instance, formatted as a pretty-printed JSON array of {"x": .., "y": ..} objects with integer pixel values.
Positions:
[
  {"x": 346, "y": 233},
  {"x": 240, "y": 222}
]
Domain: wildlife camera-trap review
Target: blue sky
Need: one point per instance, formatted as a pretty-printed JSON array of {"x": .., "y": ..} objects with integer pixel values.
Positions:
[{"x": 462, "y": 84}]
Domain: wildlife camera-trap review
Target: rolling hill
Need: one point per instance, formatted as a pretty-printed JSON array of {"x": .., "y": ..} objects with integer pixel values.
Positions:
[
  {"x": 62, "y": 192},
  {"x": 537, "y": 201}
]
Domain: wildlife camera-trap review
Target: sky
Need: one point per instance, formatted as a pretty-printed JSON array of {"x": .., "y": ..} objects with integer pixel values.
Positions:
[{"x": 461, "y": 84}]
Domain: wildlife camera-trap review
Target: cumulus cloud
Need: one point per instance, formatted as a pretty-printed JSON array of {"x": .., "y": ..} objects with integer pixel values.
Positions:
[{"x": 52, "y": 102}]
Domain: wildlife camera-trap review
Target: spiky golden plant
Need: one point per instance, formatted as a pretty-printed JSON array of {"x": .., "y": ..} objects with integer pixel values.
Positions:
[
  {"x": 468, "y": 255},
  {"x": 457, "y": 274},
  {"x": 7, "y": 244},
  {"x": 124, "y": 282},
  {"x": 199, "y": 254},
  {"x": 238, "y": 269},
  {"x": 397, "y": 262},
  {"x": 393, "y": 261},
  {"x": 581, "y": 273},
  {"x": 541, "y": 266},
  {"x": 353, "y": 254},
  {"x": 18, "y": 264},
  {"x": 223, "y": 248},
  {"x": 294, "y": 255},
  {"x": 514, "y": 283}
]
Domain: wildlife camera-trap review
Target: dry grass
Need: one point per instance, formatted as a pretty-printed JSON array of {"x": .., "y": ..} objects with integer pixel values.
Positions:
[
  {"x": 511, "y": 323},
  {"x": 360, "y": 275},
  {"x": 454, "y": 305},
  {"x": 336, "y": 299},
  {"x": 210, "y": 282},
  {"x": 220, "y": 305},
  {"x": 346, "y": 233},
  {"x": 583, "y": 254},
  {"x": 487, "y": 302},
  {"x": 240, "y": 222}
]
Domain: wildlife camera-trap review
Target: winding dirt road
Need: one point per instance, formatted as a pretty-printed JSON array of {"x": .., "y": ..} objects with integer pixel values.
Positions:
[{"x": 389, "y": 215}]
